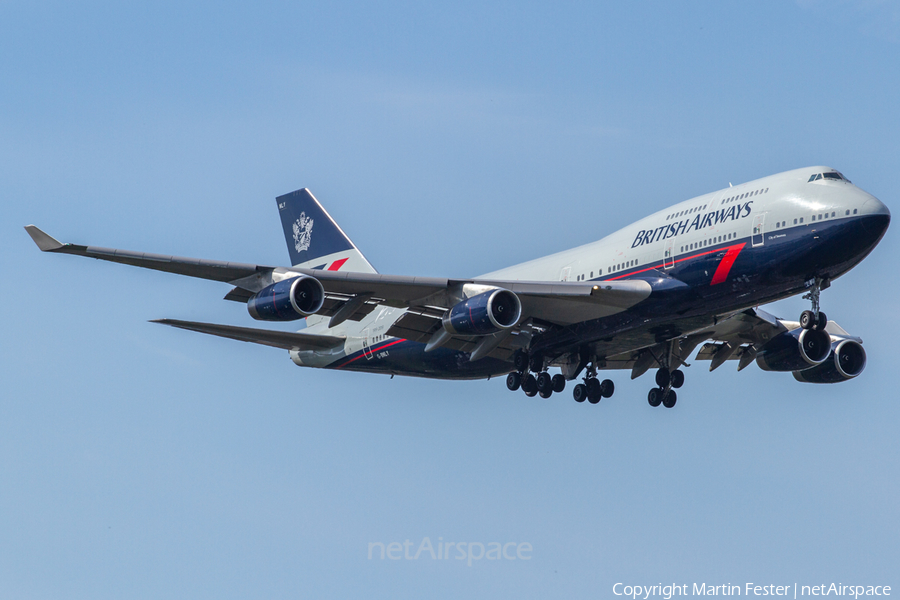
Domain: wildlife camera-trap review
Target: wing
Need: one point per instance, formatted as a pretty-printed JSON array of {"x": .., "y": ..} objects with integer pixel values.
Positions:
[
  {"x": 352, "y": 295},
  {"x": 192, "y": 267},
  {"x": 276, "y": 339}
]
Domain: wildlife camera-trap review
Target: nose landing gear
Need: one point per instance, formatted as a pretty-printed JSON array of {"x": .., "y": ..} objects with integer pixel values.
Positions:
[{"x": 815, "y": 318}]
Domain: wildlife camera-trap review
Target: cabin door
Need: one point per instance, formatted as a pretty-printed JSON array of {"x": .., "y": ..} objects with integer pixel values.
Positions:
[
  {"x": 669, "y": 254},
  {"x": 759, "y": 222}
]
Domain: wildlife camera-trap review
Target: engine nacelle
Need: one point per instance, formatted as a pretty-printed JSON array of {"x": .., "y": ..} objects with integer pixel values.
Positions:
[
  {"x": 287, "y": 300},
  {"x": 847, "y": 360},
  {"x": 795, "y": 350},
  {"x": 484, "y": 314}
]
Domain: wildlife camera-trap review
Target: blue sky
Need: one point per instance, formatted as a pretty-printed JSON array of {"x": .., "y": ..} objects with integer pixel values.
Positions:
[{"x": 450, "y": 140}]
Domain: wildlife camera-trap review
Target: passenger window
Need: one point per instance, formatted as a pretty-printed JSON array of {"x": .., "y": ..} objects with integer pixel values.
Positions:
[
  {"x": 795, "y": 221},
  {"x": 801, "y": 219},
  {"x": 854, "y": 211}
]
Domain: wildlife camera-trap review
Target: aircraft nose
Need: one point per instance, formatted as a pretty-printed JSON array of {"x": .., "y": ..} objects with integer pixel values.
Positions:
[
  {"x": 874, "y": 206},
  {"x": 877, "y": 217}
]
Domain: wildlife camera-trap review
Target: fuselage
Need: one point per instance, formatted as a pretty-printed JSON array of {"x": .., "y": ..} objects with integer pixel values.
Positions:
[{"x": 709, "y": 256}]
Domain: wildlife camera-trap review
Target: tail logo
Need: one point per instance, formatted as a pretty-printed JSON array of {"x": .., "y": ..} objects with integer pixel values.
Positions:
[{"x": 302, "y": 232}]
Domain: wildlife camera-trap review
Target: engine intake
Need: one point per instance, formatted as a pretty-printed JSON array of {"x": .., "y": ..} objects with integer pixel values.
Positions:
[
  {"x": 795, "y": 350},
  {"x": 484, "y": 314},
  {"x": 847, "y": 360},
  {"x": 287, "y": 300}
]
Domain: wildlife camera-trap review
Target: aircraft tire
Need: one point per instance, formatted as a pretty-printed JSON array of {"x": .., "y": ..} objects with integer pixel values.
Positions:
[
  {"x": 544, "y": 382},
  {"x": 579, "y": 392},
  {"x": 669, "y": 400},
  {"x": 663, "y": 378},
  {"x": 529, "y": 385},
  {"x": 559, "y": 383},
  {"x": 513, "y": 381},
  {"x": 807, "y": 319},
  {"x": 654, "y": 397},
  {"x": 677, "y": 378},
  {"x": 607, "y": 388},
  {"x": 822, "y": 321},
  {"x": 520, "y": 361},
  {"x": 546, "y": 393}
]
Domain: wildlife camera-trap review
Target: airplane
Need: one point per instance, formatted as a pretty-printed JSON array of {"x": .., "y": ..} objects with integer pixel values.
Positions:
[{"x": 644, "y": 297}]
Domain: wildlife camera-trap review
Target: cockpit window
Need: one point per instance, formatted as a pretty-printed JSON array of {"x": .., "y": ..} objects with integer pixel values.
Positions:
[{"x": 833, "y": 175}]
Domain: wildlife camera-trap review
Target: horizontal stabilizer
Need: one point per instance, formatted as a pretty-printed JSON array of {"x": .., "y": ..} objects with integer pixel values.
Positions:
[{"x": 276, "y": 339}]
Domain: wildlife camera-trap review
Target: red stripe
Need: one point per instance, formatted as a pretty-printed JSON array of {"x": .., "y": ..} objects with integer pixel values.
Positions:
[
  {"x": 724, "y": 268},
  {"x": 661, "y": 266},
  {"x": 370, "y": 352},
  {"x": 337, "y": 264}
]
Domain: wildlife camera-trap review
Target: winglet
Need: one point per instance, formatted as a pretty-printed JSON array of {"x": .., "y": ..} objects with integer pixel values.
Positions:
[{"x": 46, "y": 243}]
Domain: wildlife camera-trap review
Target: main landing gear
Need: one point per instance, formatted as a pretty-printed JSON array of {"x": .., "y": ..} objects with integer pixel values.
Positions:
[
  {"x": 546, "y": 385},
  {"x": 593, "y": 390},
  {"x": 664, "y": 393},
  {"x": 815, "y": 318}
]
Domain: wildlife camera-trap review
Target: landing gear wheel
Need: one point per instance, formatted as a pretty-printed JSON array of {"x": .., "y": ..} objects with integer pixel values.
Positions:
[
  {"x": 677, "y": 379},
  {"x": 579, "y": 392},
  {"x": 545, "y": 383},
  {"x": 669, "y": 400},
  {"x": 546, "y": 394},
  {"x": 654, "y": 397},
  {"x": 559, "y": 383},
  {"x": 822, "y": 321},
  {"x": 513, "y": 381},
  {"x": 807, "y": 319},
  {"x": 663, "y": 378},
  {"x": 594, "y": 392},
  {"x": 520, "y": 361},
  {"x": 536, "y": 363},
  {"x": 529, "y": 385},
  {"x": 607, "y": 388}
]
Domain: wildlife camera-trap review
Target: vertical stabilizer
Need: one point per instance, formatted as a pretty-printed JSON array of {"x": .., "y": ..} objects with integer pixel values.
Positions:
[{"x": 314, "y": 239}]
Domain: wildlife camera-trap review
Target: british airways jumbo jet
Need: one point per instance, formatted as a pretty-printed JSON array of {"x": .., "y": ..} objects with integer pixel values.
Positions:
[{"x": 644, "y": 297}]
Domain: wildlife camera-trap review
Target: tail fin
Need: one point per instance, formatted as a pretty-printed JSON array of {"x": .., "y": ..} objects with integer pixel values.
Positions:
[{"x": 313, "y": 238}]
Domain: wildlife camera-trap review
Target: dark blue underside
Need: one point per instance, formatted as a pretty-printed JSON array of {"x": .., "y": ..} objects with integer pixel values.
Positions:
[{"x": 683, "y": 299}]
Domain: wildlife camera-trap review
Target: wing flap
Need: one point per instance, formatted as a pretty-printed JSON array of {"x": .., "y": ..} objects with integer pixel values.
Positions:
[{"x": 276, "y": 339}]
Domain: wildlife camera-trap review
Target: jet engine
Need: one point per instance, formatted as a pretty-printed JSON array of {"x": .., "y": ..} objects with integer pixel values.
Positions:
[
  {"x": 794, "y": 350},
  {"x": 287, "y": 300},
  {"x": 846, "y": 361},
  {"x": 484, "y": 313}
]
